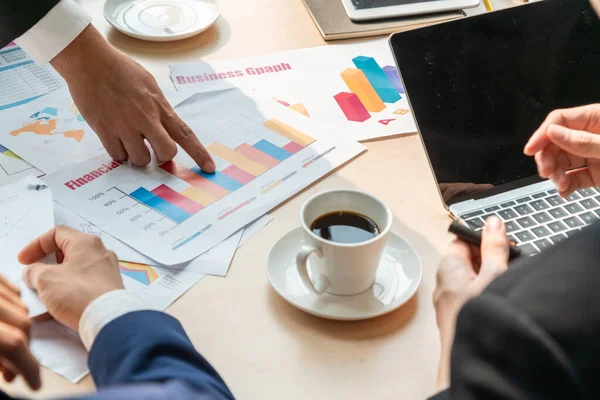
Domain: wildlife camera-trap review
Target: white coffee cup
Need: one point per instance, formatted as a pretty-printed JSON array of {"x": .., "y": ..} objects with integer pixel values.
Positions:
[{"x": 342, "y": 268}]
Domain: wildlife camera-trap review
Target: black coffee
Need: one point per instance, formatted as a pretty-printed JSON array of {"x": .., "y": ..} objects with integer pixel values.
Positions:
[{"x": 345, "y": 227}]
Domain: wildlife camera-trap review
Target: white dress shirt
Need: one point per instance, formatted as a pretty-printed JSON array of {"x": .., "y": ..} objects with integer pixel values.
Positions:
[
  {"x": 104, "y": 310},
  {"x": 54, "y": 32}
]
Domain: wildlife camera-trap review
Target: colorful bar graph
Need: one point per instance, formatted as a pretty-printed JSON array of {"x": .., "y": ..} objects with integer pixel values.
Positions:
[
  {"x": 197, "y": 195},
  {"x": 181, "y": 201},
  {"x": 358, "y": 84},
  {"x": 292, "y": 147},
  {"x": 377, "y": 78},
  {"x": 236, "y": 159},
  {"x": 352, "y": 107},
  {"x": 164, "y": 207},
  {"x": 392, "y": 73},
  {"x": 238, "y": 174},
  {"x": 220, "y": 179},
  {"x": 256, "y": 155},
  {"x": 287, "y": 131},
  {"x": 211, "y": 190},
  {"x": 142, "y": 273},
  {"x": 274, "y": 151}
]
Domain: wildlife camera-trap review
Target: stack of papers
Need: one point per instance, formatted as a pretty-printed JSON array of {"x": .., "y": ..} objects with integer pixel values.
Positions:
[{"x": 274, "y": 125}]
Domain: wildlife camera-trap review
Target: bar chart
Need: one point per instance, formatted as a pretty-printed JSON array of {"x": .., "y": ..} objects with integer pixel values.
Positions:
[
  {"x": 242, "y": 149},
  {"x": 370, "y": 88}
]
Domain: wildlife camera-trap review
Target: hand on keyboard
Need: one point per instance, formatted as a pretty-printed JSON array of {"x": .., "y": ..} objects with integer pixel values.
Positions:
[{"x": 567, "y": 148}]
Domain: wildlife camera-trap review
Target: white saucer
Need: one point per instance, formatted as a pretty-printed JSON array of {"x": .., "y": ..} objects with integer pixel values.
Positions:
[
  {"x": 398, "y": 279},
  {"x": 161, "y": 20}
]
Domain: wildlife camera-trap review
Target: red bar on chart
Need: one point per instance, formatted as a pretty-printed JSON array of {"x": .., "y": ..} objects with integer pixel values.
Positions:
[
  {"x": 168, "y": 194},
  {"x": 352, "y": 107},
  {"x": 292, "y": 147},
  {"x": 194, "y": 179},
  {"x": 238, "y": 174},
  {"x": 257, "y": 155}
]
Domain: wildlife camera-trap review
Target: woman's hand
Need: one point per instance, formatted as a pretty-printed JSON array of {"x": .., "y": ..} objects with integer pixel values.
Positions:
[
  {"x": 567, "y": 148},
  {"x": 464, "y": 273},
  {"x": 15, "y": 356}
]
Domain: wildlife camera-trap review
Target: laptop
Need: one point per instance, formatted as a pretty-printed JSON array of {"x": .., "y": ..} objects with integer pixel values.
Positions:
[{"x": 478, "y": 89}]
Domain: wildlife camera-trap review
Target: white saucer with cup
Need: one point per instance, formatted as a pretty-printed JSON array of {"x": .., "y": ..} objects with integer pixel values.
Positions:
[{"x": 344, "y": 281}]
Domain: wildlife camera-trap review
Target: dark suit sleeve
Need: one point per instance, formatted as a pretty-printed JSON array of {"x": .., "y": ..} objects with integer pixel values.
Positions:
[
  {"x": 146, "y": 354},
  {"x": 534, "y": 332},
  {"x": 18, "y": 16}
]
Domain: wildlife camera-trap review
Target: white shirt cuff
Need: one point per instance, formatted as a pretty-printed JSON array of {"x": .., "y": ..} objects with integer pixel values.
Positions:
[
  {"x": 104, "y": 310},
  {"x": 54, "y": 32}
]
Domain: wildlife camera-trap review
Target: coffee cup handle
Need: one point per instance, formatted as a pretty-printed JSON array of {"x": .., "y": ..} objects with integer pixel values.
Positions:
[{"x": 321, "y": 284}]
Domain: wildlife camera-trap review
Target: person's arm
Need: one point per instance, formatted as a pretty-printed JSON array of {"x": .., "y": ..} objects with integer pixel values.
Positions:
[
  {"x": 54, "y": 25},
  {"x": 118, "y": 98},
  {"x": 17, "y": 17},
  {"x": 133, "y": 350}
]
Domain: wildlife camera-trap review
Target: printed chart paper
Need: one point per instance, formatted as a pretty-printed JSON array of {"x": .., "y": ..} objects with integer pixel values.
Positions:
[
  {"x": 25, "y": 214},
  {"x": 13, "y": 168},
  {"x": 214, "y": 262},
  {"x": 174, "y": 212},
  {"x": 353, "y": 88},
  {"x": 49, "y": 132},
  {"x": 21, "y": 80}
]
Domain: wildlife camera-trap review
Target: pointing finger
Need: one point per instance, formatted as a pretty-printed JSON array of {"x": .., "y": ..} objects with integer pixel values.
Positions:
[{"x": 187, "y": 139}]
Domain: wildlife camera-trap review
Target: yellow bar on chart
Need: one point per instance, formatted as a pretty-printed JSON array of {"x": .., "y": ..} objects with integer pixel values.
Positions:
[
  {"x": 236, "y": 159},
  {"x": 358, "y": 84},
  {"x": 287, "y": 131},
  {"x": 198, "y": 196}
]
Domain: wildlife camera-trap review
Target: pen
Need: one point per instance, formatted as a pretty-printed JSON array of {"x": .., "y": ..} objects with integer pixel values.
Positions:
[
  {"x": 474, "y": 237},
  {"x": 488, "y": 5}
]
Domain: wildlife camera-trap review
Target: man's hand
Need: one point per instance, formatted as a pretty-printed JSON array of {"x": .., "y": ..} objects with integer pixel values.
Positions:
[
  {"x": 15, "y": 357},
  {"x": 121, "y": 101},
  {"x": 464, "y": 273},
  {"x": 567, "y": 148},
  {"x": 86, "y": 271}
]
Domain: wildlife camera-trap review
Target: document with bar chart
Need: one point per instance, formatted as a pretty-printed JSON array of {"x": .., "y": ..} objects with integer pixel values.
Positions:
[
  {"x": 354, "y": 88},
  {"x": 174, "y": 212},
  {"x": 49, "y": 132}
]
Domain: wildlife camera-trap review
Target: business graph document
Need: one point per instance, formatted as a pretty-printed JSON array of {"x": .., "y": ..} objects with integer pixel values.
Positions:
[
  {"x": 216, "y": 261},
  {"x": 25, "y": 214},
  {"x": 49, "y": 132},
  {"x": 13, "y": 168},
  {"x": 21, "y": 80},
  {"x": 354, "y": 88},
  {"x": 174, "y": 212}
]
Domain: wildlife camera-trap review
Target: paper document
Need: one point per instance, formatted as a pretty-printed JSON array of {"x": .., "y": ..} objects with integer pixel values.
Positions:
[
  {"x": 214, "y": 262},
  {"x": 21, "y": 80},
  {"x": 354, "y": 88},
  {"x": 174, "y": 212},
  {"x": 13, "y": 168},
  {"x": 25, "y": 214},
  {"x": 49, "y": 132}
]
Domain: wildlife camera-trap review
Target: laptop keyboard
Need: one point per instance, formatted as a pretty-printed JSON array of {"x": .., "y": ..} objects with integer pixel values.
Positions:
[{"x": 541, "y": 220}]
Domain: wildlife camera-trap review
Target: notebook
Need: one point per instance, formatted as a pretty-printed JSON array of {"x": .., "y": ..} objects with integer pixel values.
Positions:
[{"x": 334, "y": 24}]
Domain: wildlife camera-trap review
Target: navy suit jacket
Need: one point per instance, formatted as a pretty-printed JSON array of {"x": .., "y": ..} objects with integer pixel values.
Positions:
[
  {"x": 18, "y": 16},
  {"x": 147, "y": 355}
]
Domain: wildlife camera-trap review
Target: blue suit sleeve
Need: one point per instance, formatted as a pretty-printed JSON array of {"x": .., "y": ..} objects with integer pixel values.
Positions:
[{"x": 149, "y": 351}]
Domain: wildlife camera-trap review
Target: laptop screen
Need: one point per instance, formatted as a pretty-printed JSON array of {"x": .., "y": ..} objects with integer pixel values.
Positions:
[{"x": 479, "y": 87}]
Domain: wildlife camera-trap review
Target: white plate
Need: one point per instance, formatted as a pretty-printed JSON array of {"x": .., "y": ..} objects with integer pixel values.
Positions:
[
  {"x": 397, "y": 280},
  {"x": 161, "y": 20}
]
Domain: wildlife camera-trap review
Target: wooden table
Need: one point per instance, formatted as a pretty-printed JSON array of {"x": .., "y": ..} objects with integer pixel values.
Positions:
[{"x": 263, "y": 347}]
